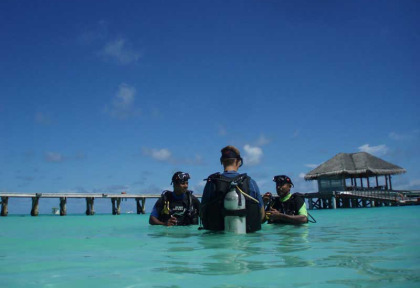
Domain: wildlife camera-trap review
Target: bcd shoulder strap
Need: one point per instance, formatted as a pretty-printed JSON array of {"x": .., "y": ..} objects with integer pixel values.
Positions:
[
  {"x": 190, "y": 200},
  {"x": 164, "y": 195},
  {"x": 219, "y": 176},
  {"x": 222, "y": 183}
]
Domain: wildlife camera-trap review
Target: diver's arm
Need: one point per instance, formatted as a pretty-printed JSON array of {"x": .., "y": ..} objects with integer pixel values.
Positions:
[
  {"x": 266, "y": 199},
  {"x": 263, "y": 219},
  {"x": 154, "y": 215},
  {"x": 292, "y": 219},
  {"x": 277, "y": 217},
  {"x": 155, "y": 221}
]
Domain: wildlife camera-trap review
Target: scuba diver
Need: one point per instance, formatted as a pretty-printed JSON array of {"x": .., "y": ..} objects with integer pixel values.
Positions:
[
  {"x": 231, "y": 201},
  {"x": 287, "y": 208},
  {"x": 178, "y": 207}
]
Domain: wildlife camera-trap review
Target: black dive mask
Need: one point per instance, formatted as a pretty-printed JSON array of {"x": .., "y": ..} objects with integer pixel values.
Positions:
[
  {"x": 180, "y": 177},
  {"x": 229, "y": 154},
  {"x": 282, "y": 179}
]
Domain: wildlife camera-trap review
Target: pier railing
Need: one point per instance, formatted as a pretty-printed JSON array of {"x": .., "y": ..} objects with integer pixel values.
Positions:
[
  {"x": 374, "y": 194},
  {"x": 90, "y": 199},
  {"x": 361, "y": 198}
]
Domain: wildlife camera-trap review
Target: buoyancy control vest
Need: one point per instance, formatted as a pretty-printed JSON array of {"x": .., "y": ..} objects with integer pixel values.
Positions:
[
  {"x": 289, "y": 207},
  {"x": 213, "y": 212},
  {"x": 182, "y": 209}
]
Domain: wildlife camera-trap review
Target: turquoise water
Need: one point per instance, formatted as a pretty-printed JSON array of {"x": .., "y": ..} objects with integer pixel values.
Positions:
[{"x": 370, "y": 247}]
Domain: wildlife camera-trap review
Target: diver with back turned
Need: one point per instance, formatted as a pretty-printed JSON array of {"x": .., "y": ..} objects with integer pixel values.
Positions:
[
  {"x": 178, "y": 207},
  {"x": 214, "y": 211},
  {"x": 287, "y": 208}
]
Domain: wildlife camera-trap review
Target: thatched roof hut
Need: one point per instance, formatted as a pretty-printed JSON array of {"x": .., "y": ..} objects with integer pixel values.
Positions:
[
  {"x": 360, "y": 164},
  {"x": 351, "y": 166}
]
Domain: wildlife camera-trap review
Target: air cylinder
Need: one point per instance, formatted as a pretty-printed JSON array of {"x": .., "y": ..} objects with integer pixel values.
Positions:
[{"x": 234, "y": 201}]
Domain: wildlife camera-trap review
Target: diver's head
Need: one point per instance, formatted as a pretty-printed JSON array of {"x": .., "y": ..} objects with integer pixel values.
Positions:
[
  {"x": 231, "y": 157},
  {"x": 180, "y": 182},
  {"x": 283, "y": 185}
]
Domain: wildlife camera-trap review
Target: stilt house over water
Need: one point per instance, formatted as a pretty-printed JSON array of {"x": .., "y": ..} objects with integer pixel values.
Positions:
[{"x": 353, "y": 171}]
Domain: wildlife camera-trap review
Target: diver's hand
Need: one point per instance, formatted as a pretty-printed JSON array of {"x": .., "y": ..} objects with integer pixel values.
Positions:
[
  {"x": 273, "y": 214},
  {"x": 171, "y": 221}
]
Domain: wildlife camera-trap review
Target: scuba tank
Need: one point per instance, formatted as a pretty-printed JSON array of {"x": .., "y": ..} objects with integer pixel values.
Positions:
[{"x": 235, "y": 213}]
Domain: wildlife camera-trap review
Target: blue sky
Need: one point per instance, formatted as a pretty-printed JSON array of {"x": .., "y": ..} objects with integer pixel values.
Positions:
[{"x": 111, "y": 96}]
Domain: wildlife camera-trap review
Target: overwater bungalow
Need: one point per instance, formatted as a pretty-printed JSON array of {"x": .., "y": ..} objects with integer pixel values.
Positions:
[
  {"x": 354, "y": 180},
  {"x": 353, "y": 171}
]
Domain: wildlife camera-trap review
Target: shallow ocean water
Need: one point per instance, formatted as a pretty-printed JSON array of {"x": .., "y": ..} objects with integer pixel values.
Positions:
[{"x": 364, "y": 247}]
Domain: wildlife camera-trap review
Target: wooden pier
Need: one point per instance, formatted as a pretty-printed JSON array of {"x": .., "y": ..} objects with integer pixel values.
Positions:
[
  {"x": 332, "y": 200},
  {"x": 361, "y": 199},
  {"x": 115, "y": 200}
]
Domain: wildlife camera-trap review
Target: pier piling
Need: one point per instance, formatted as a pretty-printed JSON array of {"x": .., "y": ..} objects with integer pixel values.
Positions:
[
  {"x": 63, "y": 208},
  {"x": 35, "y": 205},
  {"x": 89, "y": 206},
  {"x": 116, "y": 200},
  {"x": 4, "y": 206},
  {"x": 140, "y": 207},
  {"x": 334, "y": 201},
  {"x": 116, "y": 210}
]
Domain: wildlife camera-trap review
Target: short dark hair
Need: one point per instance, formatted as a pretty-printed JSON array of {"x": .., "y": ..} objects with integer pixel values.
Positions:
[
  {"x": 232, "y": 149},
  {"x": 229, "y": 155}
]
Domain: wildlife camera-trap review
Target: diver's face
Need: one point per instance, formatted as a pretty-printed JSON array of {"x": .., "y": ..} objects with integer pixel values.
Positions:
[
  {"x": 181, "y": 187},
  {"x": 283, "y": 190}
]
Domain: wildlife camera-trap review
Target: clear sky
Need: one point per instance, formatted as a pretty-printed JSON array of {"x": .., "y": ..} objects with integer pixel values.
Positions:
[{"x": 111, "y": 96}]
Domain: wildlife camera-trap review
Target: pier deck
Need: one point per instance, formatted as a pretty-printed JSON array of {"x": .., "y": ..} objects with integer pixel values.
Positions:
[
  {"x": 90, "y": 199},
  {"x": 361, "y": 199}
]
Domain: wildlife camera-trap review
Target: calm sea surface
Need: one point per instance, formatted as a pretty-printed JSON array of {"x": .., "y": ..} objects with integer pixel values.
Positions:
[{"x": 365, "y": 247}]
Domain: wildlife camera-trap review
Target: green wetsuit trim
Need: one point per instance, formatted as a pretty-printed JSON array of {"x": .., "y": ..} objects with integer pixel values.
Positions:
[{"x": 302, "y": 210}]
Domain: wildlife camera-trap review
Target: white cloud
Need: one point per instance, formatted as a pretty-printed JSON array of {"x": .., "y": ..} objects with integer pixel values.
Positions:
[
  {"x": 125, "y": 97},
  {"x": 123, "y": 104},
  {"x": 158, "y": 154},
  {"x": 222, "y": 131},
  {"x": 96, "y": 32},
  {"x": 411, "y": 184},
  {"x": 375, "y": 150},
  {"x": 118, "y": 51},
  {"x": 252, "y": 155},
  {"x": 197, "y": 160},
  {"x": 53, "y": 157},
  {"x": 56, "y": 157},
  {"x": 262, "y": 141},
  {"x": 165, "y": 155},
  {"x": 161, "y": 155},
  {"x": 414, "y": 184},
  {"x": 311, "y": 165},
  {"x": 396, "y": 136},
  {"x": 301, "y": 185},
  {"x": 265, "y": 184},
  {"x": 406, "y": 136}
]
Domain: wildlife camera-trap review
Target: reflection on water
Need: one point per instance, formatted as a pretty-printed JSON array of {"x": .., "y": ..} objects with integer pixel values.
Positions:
[
  {"x": 351, "y": 253},
  {"x": 230, "y": 254},
  {"x": 347, "y": 248},
  {"x": 208, "y": 253}
]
